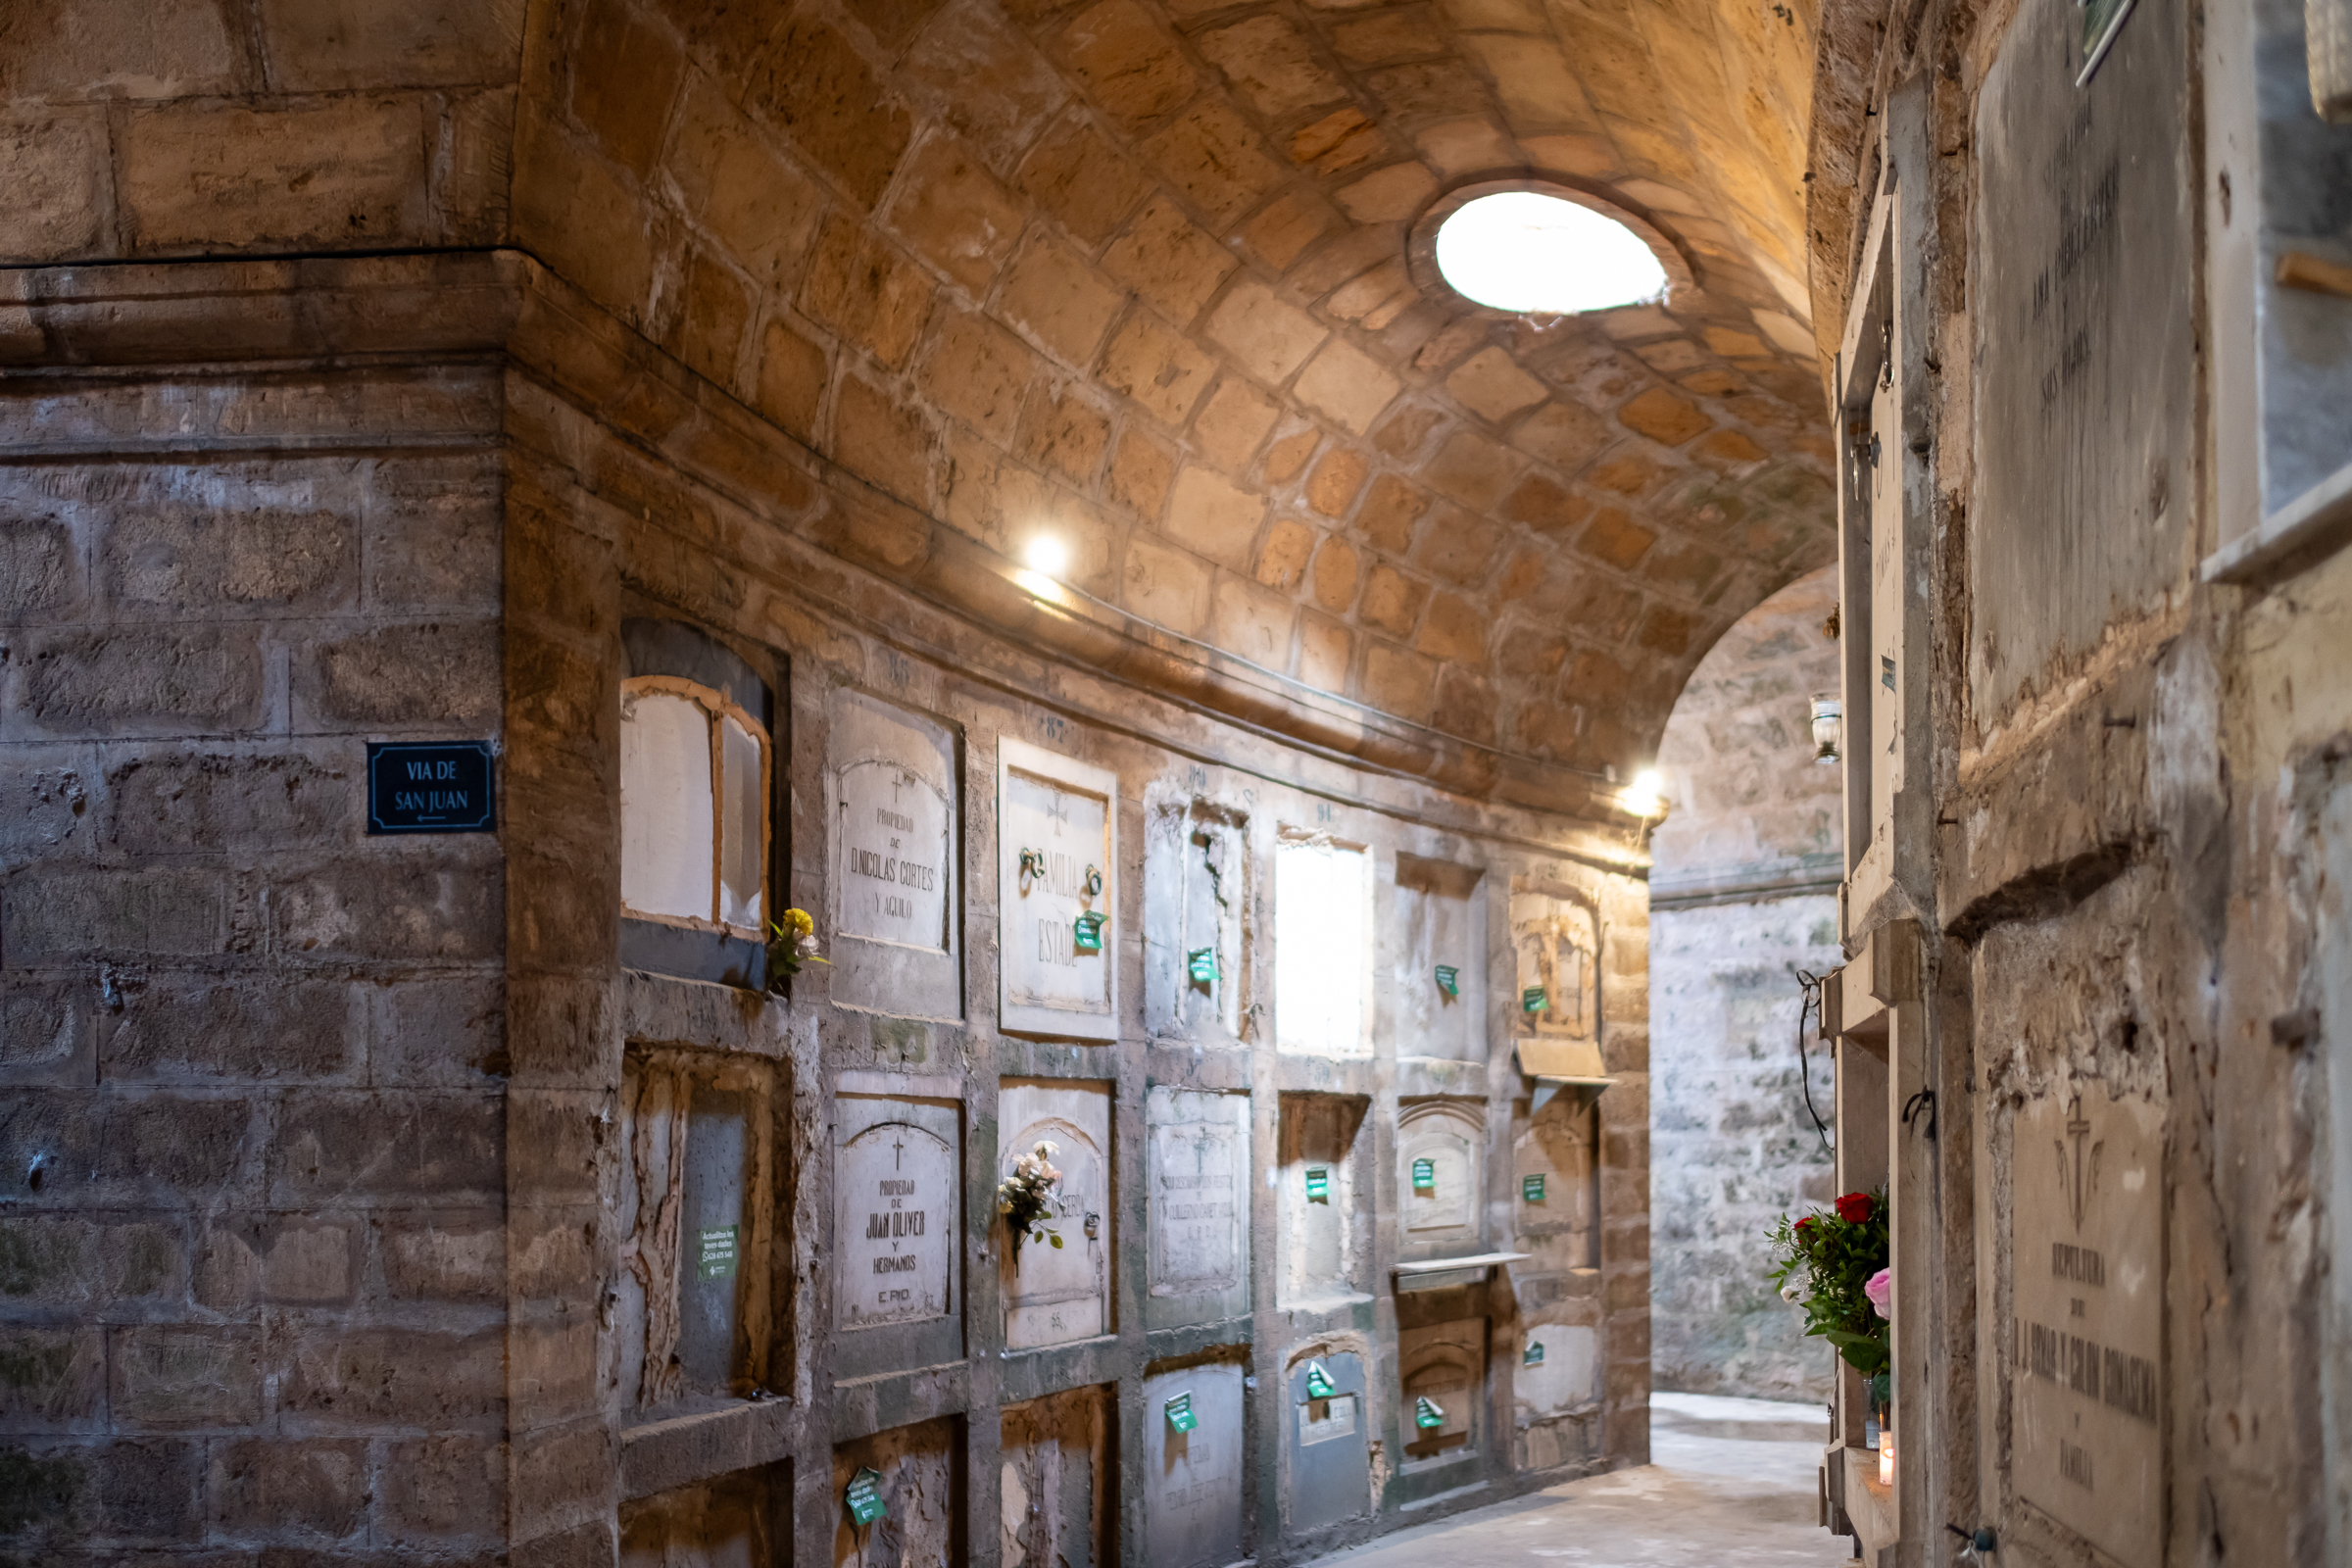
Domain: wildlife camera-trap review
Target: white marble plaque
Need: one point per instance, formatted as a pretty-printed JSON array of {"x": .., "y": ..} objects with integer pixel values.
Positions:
[
  {"x": 1058, "y": 1294},
  {"x": 1198, "y": 1149},
  {"x": 1444, "y": 1142},
  {"x": 2087, "y": 1344},
  {"x": 1058, "y": 859},
  {"x": 891, "y": 787},
  {"x": 1193, "y": 1480},
  {"x": 895, "y": 1236},
  {"x": 1322, "y": 946}
]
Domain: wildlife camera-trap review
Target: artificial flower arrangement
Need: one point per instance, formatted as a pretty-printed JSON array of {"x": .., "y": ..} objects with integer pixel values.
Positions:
[
  {"x": 789, "y": 945},
  {"x": 1836, "y": 1267},
  {"x": 1026, "y": 1197}
]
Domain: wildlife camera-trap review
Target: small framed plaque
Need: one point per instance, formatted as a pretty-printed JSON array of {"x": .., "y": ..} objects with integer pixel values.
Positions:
[{"x": 432, "y": 787}]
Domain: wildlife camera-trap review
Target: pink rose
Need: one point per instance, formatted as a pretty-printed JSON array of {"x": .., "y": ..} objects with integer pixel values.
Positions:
[{"x": 1879, "y": 1286}]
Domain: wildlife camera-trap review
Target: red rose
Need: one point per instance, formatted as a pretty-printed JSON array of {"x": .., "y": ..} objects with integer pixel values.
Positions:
[
  {"x": 1803, "y": 1223},
  {"x": 1855, "y": 1208}
]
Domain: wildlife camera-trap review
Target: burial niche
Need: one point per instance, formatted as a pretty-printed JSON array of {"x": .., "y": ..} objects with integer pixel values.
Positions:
[
  {"x": 742, "y": 1520},
  {"x": 1555, "y": 1182},
  {"x": 1440, "y": 961},
  {"x": 910, "y": 1474},
  {"x": 1197, "y": 1162},
  {"x": 1329, "y": 1457},
  {"x": 1444, "y": 1381},
  {"x": 891, "y": 786},
  {"x": 1440, "y": 1177},
  {"x": 1054, "y": 1493},
  {"x": 697, "y": 783},
  {"x": 1057, "y": 895},
  {"x": 1322, "y": 946},
  {"x": 897, "y": 1180},
  {"x": 699, "y": 1292},
  {"x": 1195, "y": 943},
  {"x": 1058, "y": 1289},
  {"x": 1324, "y": 1239},
  {"x": 1193, "y": 1426}
]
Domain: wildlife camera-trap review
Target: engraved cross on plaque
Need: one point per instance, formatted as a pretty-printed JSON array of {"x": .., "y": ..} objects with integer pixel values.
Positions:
[
  {"x": 897, "y": 1154},
  {"x": 2079, "y": 1179}
]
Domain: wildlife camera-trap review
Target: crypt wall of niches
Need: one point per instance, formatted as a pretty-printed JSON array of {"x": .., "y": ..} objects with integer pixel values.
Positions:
[{"x": 1324, "y": 1255}]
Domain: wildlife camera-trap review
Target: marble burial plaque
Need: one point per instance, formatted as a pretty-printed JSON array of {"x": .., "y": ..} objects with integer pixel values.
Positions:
[
  {"x": 1439, "y": 924},
  {"x": 2086, "y": 1373},
  {"x": 1058, "y": 1294},
  {"x": 1329, "y": 1461},
  {"x": 1196, "y": 886},
  {"x": 1193, "y": 1480},
  {"x": 1557, "y": 940},
  {"x": 1057, "y": 891},
  {"x": 1451, "y": 1139},
  {"x": 1322, "y": 946},
  {"x": 895, "y": 1236},
  {"x": 1561, "y": 1376},
  {"x": 1197, "y": 1149},
  {"x": 891, "y": 786}
]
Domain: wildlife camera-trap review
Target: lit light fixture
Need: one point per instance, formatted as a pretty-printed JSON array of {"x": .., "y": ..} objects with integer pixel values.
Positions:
[
  {"x": 1885, "y": 1457},
  {"x": 1525, "y": 251},
  {"x": 1046, "y": 554},
  {"x": 1647, "y": 795},
  {"x": 1829, "y": 725}
]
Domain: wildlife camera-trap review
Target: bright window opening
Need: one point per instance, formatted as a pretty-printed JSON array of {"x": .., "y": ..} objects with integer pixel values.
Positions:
[
  {"x": 1541, "y": 255},
  {"x": 693, "y": 787}
]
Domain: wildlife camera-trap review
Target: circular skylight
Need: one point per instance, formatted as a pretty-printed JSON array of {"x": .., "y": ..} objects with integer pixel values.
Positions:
[{"x": 1524, "y": 251}]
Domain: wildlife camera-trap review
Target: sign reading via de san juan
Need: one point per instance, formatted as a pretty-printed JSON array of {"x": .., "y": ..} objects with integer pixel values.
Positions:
[
  {"x": 432, "y": 787},
  {"x": 2086, "y": 1345}
]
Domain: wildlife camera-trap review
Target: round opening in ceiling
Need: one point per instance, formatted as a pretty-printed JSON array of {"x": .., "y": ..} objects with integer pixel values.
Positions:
[{"x": 1524, "y": 251}]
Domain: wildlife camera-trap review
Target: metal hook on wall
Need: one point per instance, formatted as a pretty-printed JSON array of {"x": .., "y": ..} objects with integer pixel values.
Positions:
[{"x": 1924, "y": 1100}]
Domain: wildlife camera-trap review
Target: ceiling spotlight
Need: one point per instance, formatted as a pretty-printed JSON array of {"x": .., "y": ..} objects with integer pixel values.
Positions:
[{"x": 1046, "y": 554}]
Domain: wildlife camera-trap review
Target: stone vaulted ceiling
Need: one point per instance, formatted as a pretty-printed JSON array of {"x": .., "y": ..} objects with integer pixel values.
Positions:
[{"x": 1130, "y": 271}]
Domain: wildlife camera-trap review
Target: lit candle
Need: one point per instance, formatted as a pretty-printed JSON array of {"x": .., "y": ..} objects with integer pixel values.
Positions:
[{"x": 1885, "y": 1457}]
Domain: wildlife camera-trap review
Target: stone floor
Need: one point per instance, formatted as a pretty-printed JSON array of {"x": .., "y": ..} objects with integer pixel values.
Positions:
[{"x": 1733, "y": 1484}]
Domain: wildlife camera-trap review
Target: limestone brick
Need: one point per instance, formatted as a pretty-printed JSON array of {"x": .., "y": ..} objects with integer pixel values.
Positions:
[
  {"x": 1733, "y": 344},
  {"x": 1590, "y": 157},
  {"x": 1062, "y": 301},
  {"x": 1459, "y": 547},
  {"x": 148, "y": 681},
  {"x": 954, "y": 215},
  {"x": 1158, "y": 368},
  {"x": 1061, "y": 434},
  {"x": 1282, "y": 558},
  {"x": 968, "y": 487},
  {"x": 1346, "y": 257},
  {"x": 1171, "y": 261},
  {"x": 1232, "y": 424},
  {"x": 333, "y": 174},
  {"x": 1140, "y": 469},
  {"x": 1405, "y": 33},
  {"x": 1339, "y": 568},
  {"x": 792, "y": 377},
  {"x": 1343, "y": 139},
  {"x": 1348, "y": 384},
  {"x": 169, "y": 1377},
  {"x": 866, "y": 291},
  {"x": 1211, "y": 156},
  {"x": 883, "y": 441},
  {"x": 440, "y": 1487},
  {"x": 183, "y": 558},
  {"x": 1392, "y": 600},
  {"x": 1454, "y": 630},
  {"x": 1616, "y": 538},
  {"x": 1135, "y": 71},
  {"x": 985, "y": 80},
  {"x": 714, "y": 310},
  {"x": 1270, "y": 63},
  {"x": 1266, "y": 336},
  {"x": 61, "y": 184},
  {"x": 1166, "y": 586},
  {"x": 1214, "y": 518},
  {"x": 815, "y": 89},
  {"x": 1491, "y": 384},
  {"x": 1565, "y": 435},
  {"x": 1664, "y": 417},
  {"x": 978, "y": 373},
  {"x": 624, "y": 75},
  {"x": 1473, "y": 469},
  {"x": 334, "y": 44},
  {"x": 1391, "y": 509},
  {"x": 1403, "y": 433},
  {"x": 1252, "y": 620},
  {"x": 1326, "y": 651},
  {"x": 1398, "y": 681},
  {"x": 1670, "y": 356},
  {"x": 1457, "y": 147},
  {"x": 1287, "y": 455},
  {"x": 1332, "y": 488},
  {"x": 1287, "y": 226},
  {"x": 578, "y": 214},
  {"x": 1388, "y": 195},
  {"x": 1625, "y": 473},
  {"x": 121, "y": 49},
  {"x": 1427, "y": 88},
  {"x": 1074, "y": 174},
  {"x": 1729, "y": 450},
  {"x": 1375, "y": 299},
  {"x": 1545, "y": 506}
]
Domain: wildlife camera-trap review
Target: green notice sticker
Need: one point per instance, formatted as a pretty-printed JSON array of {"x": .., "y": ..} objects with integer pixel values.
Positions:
[
  {"x": 1427, "y": 1414},
  {"x": 1425, "y": 1175},
  {"x": 1533, "y": 1000},
  {"x": 1318, "y": 1184},
  {"x": 1086, "y": 932},
  {"x": 864, "y": 1500},
  {"x": 1201, "y": 964},
  {"x": 715, "y": 1252},
  {"x": 1533, "y": 1356},
  {"x": 1318, "y": 1381},
  {"x": 1450, "y": 979},
  {"x": 1531, "y": 1187},
  {"x": 1180, "y": 1413}
]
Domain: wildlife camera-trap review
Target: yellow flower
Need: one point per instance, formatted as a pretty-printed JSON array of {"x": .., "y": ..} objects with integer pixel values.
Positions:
[{"x": 799, "y": 923}]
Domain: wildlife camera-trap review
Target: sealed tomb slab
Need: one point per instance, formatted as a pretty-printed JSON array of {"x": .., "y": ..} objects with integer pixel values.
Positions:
[
  {"x": 1058, "y": 1292},
  {"x": 1055, "y": 1496},
  {"x": 1555, "y": 1183},
  {"x": 1057, "y": 895},
  {"x": 2086, "y": 1343},
  {"x": 1330, "y": 1457},
  {"x": 914, "y": 1479},
  {"x": 1324, "y": 1250},
  {"x": 897, "y": 1180},
  {"x": 742, "y": 1520},
  {"x": 891, "y": 786},
  {"x": 1197, "y": 1166},
  {"x": 1322, "y": 946},
  {"x": 1196, "y": 953},
  {"x": 1193, "y": 1479},
  {"x": 1555, "y": 934},
  {"x": 1440, "y": 961},
  {"x": 1440, "y": 1177}
]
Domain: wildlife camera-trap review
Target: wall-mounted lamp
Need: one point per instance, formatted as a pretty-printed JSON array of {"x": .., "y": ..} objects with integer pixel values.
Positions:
[
  {"x": 1829, "y": 725},
  {"x": 1644, "y": 798},
  {"x": 1046, "y": 554}
]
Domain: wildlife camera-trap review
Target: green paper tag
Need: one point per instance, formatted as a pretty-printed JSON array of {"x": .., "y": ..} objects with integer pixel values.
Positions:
[
  {"x": 865, "y": 1503},
  {"x": 1318, "y": 1184},
  {"x": 715, "y": 1252},
  {"x": 1533, "y": 1354},
  {"x": 1533, "y": 1000},
  {"x": 1201, "y": 964},
  {"x": 1450, "y": 979},
  {"x": 1425, "y": 1175},
  {"x": 1426, "y": 1413},
  {"x": 1531, "y": 1187},
  {"x": 1180, "y": 1413},
  {"x": 1318, "y": 1381},
  {"x": 1086, "y": 933}
]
